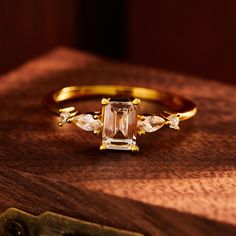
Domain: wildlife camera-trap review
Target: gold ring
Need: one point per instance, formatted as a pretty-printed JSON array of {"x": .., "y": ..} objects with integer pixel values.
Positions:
[{"x": 123, "y": 116}]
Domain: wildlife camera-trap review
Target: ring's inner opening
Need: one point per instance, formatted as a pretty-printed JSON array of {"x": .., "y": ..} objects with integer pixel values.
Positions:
[
  {"x": 171, "y": 104},
  {"x": 94, "y": 104},
  {"x": 87, "y": 99}
]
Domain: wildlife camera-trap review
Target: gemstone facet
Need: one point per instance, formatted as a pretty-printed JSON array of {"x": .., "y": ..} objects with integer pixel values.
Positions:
[
  {"x": 151, "y": 123},
  {"x": 64, "y": 116},
  {"x": 119, "y": 125},
  {"x": 87, "y": 122},
  {"x": 173, "y": 121}
]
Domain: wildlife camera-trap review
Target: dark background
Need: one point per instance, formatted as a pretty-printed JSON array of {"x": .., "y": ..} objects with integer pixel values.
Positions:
[{"x": 194, "y": 37}]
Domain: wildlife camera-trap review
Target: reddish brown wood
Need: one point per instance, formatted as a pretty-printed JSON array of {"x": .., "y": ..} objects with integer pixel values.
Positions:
[{"x": 181, "y": 183}]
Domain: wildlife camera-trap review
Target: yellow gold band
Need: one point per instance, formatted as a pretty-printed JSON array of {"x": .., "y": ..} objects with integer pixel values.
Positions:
[
  {"x": 170, "y": 103},
  {"x": 123, "y": 115}
]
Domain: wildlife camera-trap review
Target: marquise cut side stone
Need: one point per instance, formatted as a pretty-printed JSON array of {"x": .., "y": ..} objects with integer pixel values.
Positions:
[
  {"x": 151, "y": 123},
  {"x": 87, "y": 122}
]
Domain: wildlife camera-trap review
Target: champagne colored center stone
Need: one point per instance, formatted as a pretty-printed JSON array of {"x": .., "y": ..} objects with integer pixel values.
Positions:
[{"x": 120, "y": 125}]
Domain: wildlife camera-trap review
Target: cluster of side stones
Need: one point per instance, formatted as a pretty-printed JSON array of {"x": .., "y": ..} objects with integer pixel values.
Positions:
[
  {"x": 120, "y": 124},
  {"x": 147, "y": 123},
  {"x": 84, "y": 121},
  {"x": 154, "y": 123}
]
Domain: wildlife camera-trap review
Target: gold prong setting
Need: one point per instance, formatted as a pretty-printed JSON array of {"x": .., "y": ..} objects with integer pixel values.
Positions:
[
  {"x": 136, "y": 101},
  {"x": 141, "y": 132},
  {"x": 67, "y": 109},
  {"x": 66, "y": 114},
  {"x": 105, "y": 101},
  {"x": 97, "y": 132},
  {"x": 134, "y": 148},
  {"x": 141, "y": 117},
  {"x": 103, "y": 147},
  {"x": 97, "y": 116}
]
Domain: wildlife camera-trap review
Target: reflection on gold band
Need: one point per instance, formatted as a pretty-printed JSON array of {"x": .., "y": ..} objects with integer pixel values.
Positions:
[{"x": 171, "y": 103}]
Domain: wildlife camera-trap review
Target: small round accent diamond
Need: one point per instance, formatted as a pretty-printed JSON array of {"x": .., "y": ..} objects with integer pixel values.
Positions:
[
  {"x": 173, "y": 121},
  {"x": 87, "y": 122},
  {"x": 64, "y": 116},
  {"x": 151, "y": 123}
]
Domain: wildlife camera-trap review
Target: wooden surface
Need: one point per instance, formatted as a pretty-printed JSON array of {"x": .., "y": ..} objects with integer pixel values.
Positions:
[{"x": 181, "y": 183}]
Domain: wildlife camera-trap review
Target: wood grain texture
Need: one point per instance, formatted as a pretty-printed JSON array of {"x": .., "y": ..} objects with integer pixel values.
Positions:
[{"x": 181, "y": 183}]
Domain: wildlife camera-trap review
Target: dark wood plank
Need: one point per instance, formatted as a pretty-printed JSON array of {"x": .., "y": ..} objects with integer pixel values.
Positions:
[{"x": 42, "y": 195}]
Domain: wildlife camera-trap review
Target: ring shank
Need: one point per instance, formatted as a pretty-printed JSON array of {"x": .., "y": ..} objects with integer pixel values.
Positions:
[{"x": 171, "y": 103}]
